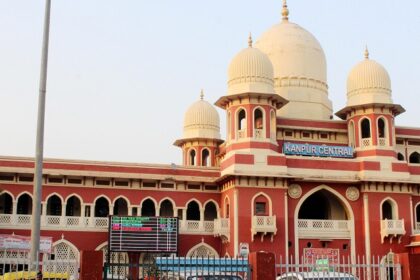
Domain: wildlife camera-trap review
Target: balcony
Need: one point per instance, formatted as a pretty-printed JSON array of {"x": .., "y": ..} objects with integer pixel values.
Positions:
[
  {"x": 222, "y": 229},
  {"x": 196, "y": 227},
  {"x": 55, "y": 222},
  {"x": 263, "y": 225},
  {"x": 324, "y": 229},
  {"x": 391, "y": 229}
]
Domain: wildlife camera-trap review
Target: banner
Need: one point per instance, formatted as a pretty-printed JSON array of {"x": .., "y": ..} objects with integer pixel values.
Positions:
[{"x": 23, "y": 243}]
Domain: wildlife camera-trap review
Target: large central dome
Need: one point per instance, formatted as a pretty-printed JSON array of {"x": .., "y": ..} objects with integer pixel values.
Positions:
[{"x": 300, "y": 69}]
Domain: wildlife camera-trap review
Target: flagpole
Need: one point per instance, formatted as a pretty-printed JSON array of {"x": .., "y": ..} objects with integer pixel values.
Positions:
[{"x": 37, "y": 190}]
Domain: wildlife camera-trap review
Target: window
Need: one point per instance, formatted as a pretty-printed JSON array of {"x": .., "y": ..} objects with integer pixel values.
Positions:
[
  {"x": 306, "y": 134},
  {"x": 205, "y": 157},
  {"x": 414, "y": 158},
  {"x": 387, "y": 210},
  {"x": 260, "y": 208},
  {"x": 288, "y": 133},
  {"x": 258, "y": 119},
  {"x": 192, "y": 157},
  {"x": 241, "y": 119},
  {"x": 365, "y": 126},
  {"x": 400, "y": 156},
  {"x": 381, "y": 128}
]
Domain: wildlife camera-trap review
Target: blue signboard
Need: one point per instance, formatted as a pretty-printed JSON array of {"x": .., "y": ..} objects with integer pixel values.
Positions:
[{"x": 317, "y": 150}]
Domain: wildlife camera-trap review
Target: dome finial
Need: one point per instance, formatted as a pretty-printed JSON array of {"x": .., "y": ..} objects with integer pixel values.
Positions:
[
  {"x": 285, "y": 11},
  {"x": 202, "y": 94},
  {"x": 366, "y": 52},
  {"x": 250, "y": 40}
]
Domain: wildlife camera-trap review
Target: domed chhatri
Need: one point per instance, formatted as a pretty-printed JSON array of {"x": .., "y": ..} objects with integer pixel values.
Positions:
[
  {"x": 201, "y": 120},
  {"x": 300, "y": 69},
  {"x": 250, "y": 71},
  {"x": 368, "y": 82}
]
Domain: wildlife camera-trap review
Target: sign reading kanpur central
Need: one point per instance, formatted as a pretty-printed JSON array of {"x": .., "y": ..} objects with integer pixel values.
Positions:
[{"x": 317, "y": 150}]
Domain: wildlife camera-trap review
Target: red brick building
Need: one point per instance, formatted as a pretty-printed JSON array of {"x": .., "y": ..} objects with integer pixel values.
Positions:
[{"x": 287, "y": 177}]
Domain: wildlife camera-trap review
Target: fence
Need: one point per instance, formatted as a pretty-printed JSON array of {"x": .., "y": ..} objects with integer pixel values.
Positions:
[
  {"x": 16, "y": 265},
  {"x": 177, "y": 268},
  {"x": 325, "y": 268}
]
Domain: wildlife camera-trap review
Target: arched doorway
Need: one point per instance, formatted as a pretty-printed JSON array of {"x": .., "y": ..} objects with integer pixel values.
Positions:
[
  {"x": 24, "y": 204},
  {"x": 73, "y": 207},
  {"x": 166, "y": 208},
  {"x": 54, "y": 206},
  {"x": 6, "y": 203},
  {"x": 148, "y": 208},
  {"x": 120, "y": 207},
  {"x": 323, "y": 214}
]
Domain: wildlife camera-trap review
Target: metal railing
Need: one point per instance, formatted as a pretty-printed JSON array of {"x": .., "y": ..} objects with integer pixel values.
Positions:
[{"x": 329, "y": 267}]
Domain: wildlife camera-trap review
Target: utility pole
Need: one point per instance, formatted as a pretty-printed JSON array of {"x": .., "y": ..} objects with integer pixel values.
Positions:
[{"x": 37, "y": 191}]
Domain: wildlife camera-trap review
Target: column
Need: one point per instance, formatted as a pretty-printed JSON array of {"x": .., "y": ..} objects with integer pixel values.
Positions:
[
  {"x": 367, "y": 233},
  {"x": 63, "y": 220},
  {"x": 14, "y": 212}
]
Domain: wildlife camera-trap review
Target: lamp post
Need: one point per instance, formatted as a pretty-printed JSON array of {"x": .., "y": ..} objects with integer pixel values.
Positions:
[{"x": 37, "y": 191}]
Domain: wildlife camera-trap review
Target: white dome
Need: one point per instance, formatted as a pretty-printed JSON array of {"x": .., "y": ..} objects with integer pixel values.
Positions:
[
  {"x": 250, "y": 71},
  {"x": 201, "y": 121},
  {"x": 294, "y": 52},
  {"x": 300, "y": 70},
  {"x": 368, "y": 82}
]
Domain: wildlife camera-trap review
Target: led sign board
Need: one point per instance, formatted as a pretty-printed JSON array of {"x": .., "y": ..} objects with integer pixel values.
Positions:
[{"x": 143, "y": 234}]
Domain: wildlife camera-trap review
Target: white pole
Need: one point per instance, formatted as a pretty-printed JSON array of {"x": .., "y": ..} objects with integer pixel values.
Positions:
[{"x": 37, "y": 191}]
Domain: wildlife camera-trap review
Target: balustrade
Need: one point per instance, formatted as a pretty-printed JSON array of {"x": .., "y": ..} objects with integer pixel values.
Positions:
[
  {"x": 263, "y": 225},
  {"x": 392, "y": 228},
  {"x": 324, "y": 228}
]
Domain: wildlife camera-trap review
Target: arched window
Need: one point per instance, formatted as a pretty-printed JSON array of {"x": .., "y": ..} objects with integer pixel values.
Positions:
[
  {"x": 101, "y": 207},
  {"x": 66, "y": 258},
  {"x": 192, "y": 157},
  {"x": 388, "y": 209},
  {"x": 400, "y": 156},
  {"x": 73, "y": 206},
  {"x": 241, "y": 124},
  {"x": 148, "y": 208},
  {"x": 120, "y": 207},
  {"x": 260, "y": 206},
  {"x": 6, "y": 203},
  {"x": 381, "y": 128},
  {"x": 417, "y": 217},
  {"x": 414, "y": 158},
  {"x": 258, "y": 123},
  {"x": 352, "y": 141},
  {"x": 24, "y": 205},
  {"x": 193, "y": 211},
  {"x": 166, "y": 209},
  {"x": 205, "y": 157},
  {"x": 54, "y": 206},
  {"x": 365, "y": 126},
  {"x": 210, "y": 212},
  {"x": 258, "y": 119}
]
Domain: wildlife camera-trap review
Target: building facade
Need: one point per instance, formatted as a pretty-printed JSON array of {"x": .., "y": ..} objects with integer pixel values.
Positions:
[{"x": 287, "y": 177}]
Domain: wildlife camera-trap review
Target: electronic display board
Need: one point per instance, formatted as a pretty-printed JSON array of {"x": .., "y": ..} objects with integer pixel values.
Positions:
[{"x": 143, "y": 234}]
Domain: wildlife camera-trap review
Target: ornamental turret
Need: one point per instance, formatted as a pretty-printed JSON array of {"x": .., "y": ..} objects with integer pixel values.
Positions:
[
  {"x": 370, "y": 111},
  {"x": 201, "y": 136}
]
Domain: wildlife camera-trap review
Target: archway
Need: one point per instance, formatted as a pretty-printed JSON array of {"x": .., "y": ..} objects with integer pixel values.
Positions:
[
  {"x": 24, "y": 204},
  {"x": 166, "y": 209},
  {"x": 6, "y": 203},
  {"x": 54, "y": 206},
  {"x": 202, "y": 250},
  {"x": 322, "y": 205},
  {"x": 101, "y": 207},
  {"x": 120, "y": 207},
  {"x": 342, "y": 208},
  {"x": 148, "y": 208},
  {"x": 73, "y": 206},
  {"x": 193, "y": 211}
]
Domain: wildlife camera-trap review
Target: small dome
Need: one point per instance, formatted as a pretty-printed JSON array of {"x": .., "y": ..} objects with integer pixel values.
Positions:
[
  {"x": 201, "y": 121},
  {"x": 250, "y": 71},
  {"x": 368, "y": 82}
]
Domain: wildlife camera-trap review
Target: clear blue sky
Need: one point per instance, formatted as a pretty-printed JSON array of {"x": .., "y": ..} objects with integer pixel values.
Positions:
[{"x": 122, "y": 73}]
